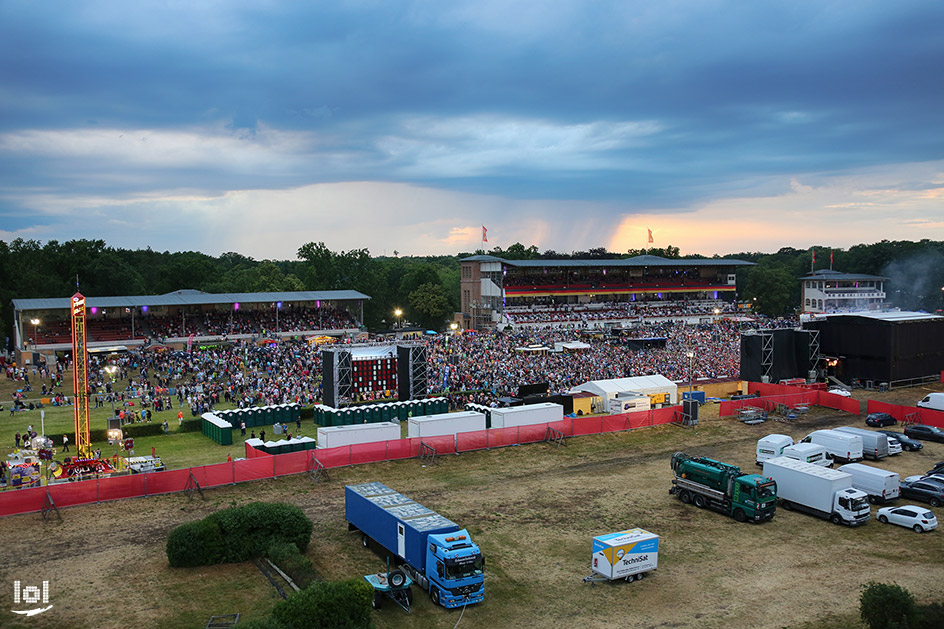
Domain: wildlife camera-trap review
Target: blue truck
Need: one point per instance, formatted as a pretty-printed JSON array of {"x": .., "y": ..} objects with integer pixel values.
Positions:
[{"x": 434, "y": 551}]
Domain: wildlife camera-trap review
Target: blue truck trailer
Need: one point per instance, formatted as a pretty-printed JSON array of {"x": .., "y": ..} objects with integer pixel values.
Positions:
[{"x": 434, "y": 551}]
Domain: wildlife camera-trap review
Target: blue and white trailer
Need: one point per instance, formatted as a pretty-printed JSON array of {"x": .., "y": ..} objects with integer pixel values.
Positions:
[{"x": 434, "y": 551}]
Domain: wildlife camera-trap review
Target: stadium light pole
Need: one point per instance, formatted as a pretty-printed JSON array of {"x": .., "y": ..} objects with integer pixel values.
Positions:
[
  {"x": 397, "y": 313},
  {"x": 36, "y": 322}
]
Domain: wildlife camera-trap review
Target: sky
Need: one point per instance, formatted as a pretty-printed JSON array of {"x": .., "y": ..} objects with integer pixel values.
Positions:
[{"x": 407, "y": 126}]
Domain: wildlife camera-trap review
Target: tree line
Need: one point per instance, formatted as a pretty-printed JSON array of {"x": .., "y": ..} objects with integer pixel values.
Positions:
[{"x": 425, "y": 288}]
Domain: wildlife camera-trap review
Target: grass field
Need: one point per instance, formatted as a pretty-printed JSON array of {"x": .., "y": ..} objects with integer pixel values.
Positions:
[{"x": 533, "y": 510}]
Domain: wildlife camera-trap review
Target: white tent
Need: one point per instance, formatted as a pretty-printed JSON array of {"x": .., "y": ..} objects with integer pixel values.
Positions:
[{"x": 649, "y": 385}]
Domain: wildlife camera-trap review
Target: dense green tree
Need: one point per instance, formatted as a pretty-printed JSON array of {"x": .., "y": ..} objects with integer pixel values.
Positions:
[{"x": 430, "y": 306}]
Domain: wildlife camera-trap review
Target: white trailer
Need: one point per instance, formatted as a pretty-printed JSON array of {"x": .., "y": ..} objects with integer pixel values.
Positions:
[
  {"x": 817, "y": 490},
  {"x": 874, "y": 444},
  {"x": 625, "y": 555},
  {"x": 526, "y": 415},
  {"x": 444, "y": 424},
  {"x": 771, "y": 446},
  {"x": 353, "y": 434},
  {"x": 629, "y": 403},
  {"x": 881, "y": 485}
]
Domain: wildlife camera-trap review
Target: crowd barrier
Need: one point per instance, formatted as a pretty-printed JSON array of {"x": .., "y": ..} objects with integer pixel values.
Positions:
[
  {"x": 914, "y": 414},
  {"x": 259, "y": 465},
  {"x": 773, "y": 395}
]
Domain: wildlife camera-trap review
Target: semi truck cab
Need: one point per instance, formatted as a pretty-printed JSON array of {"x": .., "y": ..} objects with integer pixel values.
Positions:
[
  {"x": 457, "y": 578},
  {"x": 852, "y": 505}
]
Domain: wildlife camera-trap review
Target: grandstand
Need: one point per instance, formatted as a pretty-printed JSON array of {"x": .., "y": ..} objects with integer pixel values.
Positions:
[
  {"x": 184, "y": 315},
  {"x": 499, "y": 293}
]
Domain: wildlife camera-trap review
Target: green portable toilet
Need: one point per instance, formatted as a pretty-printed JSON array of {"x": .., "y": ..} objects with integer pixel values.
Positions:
[
  {"x": 401, "y": 410},
  {"x": 384, "y": 412},
  {"x": 357, "y": 415},
  {"x": 269, "y": 415}
]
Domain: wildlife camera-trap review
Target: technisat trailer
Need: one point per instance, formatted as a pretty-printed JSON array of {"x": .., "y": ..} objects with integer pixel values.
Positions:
[
  {"x": 334, "y": 436},
  {"x": 445, "y": 424},
  {"x": 526, "y": 415},
  {"x": 628, "y": 555}
]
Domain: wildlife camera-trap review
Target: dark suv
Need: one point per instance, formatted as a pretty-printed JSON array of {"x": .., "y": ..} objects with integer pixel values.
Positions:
[
  {"x": 925, "y": 433},
  {"x": 907, "y": 443},
  {"x": 928, "y": 490}
]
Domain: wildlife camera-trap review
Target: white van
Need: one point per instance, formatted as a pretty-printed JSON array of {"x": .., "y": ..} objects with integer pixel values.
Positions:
[
  {"x": 771, "y": 446},
  {"x": 841, "y": 446},
  {"x": 881, "y": 485},
  {"x": 874, "y": 444},
  {"x": 808, "y": 453},
  {"x": 934, "y": 401}
]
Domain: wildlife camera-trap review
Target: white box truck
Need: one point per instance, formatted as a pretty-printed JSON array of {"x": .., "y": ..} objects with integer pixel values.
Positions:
[
  {"x": 353, "y": 434},
  {"x": 808, "y": 453},
  {"x": 842, "y": 446},
  {"x": 771, "y": 446},
  {"x": 874, "y": 444},
  {"x": 881, "y": 485},
  {"x": 817, "y": 490},
  {"x": 625, "y": 555},
  {"x": 443, "y": 424},
  {"x": 526, "y": 415}
]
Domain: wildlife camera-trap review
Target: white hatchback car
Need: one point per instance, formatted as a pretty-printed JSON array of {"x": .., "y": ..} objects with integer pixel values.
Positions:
[{"x": 911, "y": 516}]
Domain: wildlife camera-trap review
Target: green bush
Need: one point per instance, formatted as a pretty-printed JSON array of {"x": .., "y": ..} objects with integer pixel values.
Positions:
[
  {"x": 296, "y": 565},
  {"x": 195, "y": 544},
  {"x": 190, "y": 425},
  {"x": 887, "y": 606},
  {"x": 932, "y": 616},
  {"x": 328, "y": 605},
  {"x": 249, "y": 530},
  {"x": 147, "y": 429}
]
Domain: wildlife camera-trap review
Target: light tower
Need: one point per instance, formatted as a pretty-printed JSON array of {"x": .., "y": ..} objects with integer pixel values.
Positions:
[{"x": 83, "y": 435}]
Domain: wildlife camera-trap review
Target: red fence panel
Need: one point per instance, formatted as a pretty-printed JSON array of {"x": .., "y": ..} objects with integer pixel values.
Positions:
[
  {"x": 402, "y": 448},
  {"x": 443, "y": 444},
  {"x": 77, "y": 493},
  {"x": 167, "y": 482},
  {"x": 14, "y": 501},
  {"x": 218, "y": 474},
  {"x": 614, "y": 423},
  {"x": 334, "y": 457},
  {"x": 532, "y": 433},
  {"x": 929, "y": 416},
  {"x": 292, "y": 463},
  {"x": 469, "y": 441},
  {"x": 254, "y": 469},
  {"x": 499, "y": 437},
  {"x": 118, "y": 487},
  {"x": 924, "y": 415},
  {"x": 588, "y": 426},
  {"x": 368, "y": 452}
]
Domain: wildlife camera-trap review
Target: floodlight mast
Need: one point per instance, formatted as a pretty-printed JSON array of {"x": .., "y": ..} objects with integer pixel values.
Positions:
[{"x": 83, "y": 434}]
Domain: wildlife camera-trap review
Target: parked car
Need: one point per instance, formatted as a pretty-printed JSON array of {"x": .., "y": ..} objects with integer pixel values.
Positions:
[
  {"x": 925, "y": 433},
  {"x": 924, "y": 489},
  {"x": 894, "y": 446},
  {"x": 880, "y": 420},
  {"x": 907, "y": 443},
  {"x": 938, "y": 468},
  {"x": 910, "y": 516}
]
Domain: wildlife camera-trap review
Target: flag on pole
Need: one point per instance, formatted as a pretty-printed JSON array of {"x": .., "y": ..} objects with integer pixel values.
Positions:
[
  {"x": 830, "y": 259},
  {"x": 814, "y": 255},
  {"x": 484, "y": 234},
  {"x": 650, "y": 235}
]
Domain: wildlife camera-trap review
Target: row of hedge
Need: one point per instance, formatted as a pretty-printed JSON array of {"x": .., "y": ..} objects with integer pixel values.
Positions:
[
  {"x": 323, "y": 605},
  {"x": 238, "y": 534}
]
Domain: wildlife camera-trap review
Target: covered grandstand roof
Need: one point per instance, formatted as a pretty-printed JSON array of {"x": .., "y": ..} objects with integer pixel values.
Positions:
[
  {"x": 189, "y": 298},
  {"x": 638, "y": 261},
  {"x": 829, "y": 274}
]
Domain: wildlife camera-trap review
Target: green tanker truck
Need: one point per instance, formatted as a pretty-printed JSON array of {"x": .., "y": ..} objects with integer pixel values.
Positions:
[{"x": 708, "y": 483}]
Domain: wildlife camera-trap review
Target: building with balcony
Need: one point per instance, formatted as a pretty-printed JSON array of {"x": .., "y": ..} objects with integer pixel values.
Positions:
[{"x": 826, "y": 291}]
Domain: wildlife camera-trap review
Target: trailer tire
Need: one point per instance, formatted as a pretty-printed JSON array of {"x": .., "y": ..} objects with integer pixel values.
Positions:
[
  {"x": 685, "y": 496},
  {"x": 630, "y": 578},
  {"x": 434, "y": 594},
  {"x": 397, "y": 578},
  {"x": 377, "y": 603},
  {"x": 365, "y": 540},
  {"x": 740, "y": 516},
  {"x": 640, "y": 576},
  {"x": 786, "y": 505},
  {"x": 835, "y": 519},
  {"x": 699, "y": 501}
]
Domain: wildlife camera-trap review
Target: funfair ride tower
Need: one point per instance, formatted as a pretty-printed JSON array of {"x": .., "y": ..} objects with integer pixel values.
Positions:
[{"x": 83, "y": 435}]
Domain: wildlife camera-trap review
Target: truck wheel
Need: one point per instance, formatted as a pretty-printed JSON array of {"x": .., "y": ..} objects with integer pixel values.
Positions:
[
  {"x": 873, "y": 500},
  {"x": 365, "y": 541},
  {"x": 740, "y": 516},
  {"x": 434, "y": 594},
  {"x": 786, "y": 505},
  {"x": 685, "y": 497},
  {"x": 835, "y": 519},
  {"x": 699, "y": 501},
  {"x": 377, "y": 603},
  {"x": 397, "y": 578}
]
